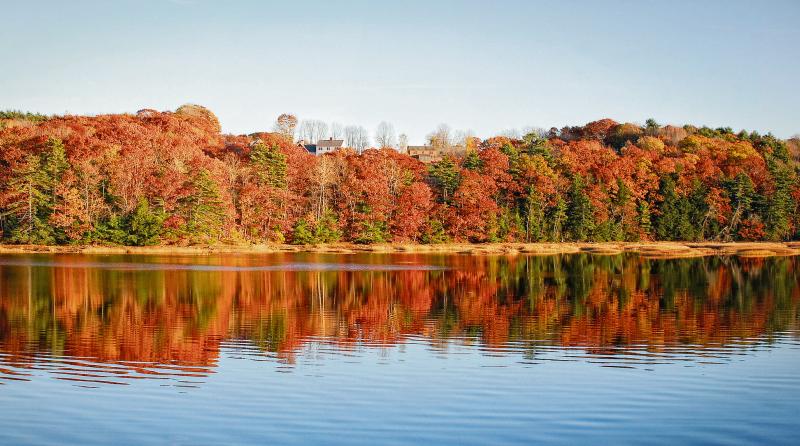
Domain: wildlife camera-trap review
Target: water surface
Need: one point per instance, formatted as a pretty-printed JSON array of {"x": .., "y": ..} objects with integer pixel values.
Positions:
[{"x": 398, "y": 349}]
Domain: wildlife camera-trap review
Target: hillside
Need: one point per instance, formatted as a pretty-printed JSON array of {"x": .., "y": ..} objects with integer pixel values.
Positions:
[{"x": 173, "y": 178}]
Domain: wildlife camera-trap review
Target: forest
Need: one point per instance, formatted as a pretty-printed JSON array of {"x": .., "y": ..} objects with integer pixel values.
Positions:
[{"x": 174, "y": 178}]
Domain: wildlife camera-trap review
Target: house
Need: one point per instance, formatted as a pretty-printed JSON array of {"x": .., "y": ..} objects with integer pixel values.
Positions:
[
  {"x": 433, "y": 154},
  {"x": 426, "y": 154},
  {"x": 324, "y": 146}
]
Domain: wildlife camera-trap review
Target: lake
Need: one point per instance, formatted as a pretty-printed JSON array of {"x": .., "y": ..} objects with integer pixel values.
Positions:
[{"x": 296, "y": 348}]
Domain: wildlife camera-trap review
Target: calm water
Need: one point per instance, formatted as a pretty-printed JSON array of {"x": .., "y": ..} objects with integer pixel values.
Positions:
[{"x": 398, "y": 349}]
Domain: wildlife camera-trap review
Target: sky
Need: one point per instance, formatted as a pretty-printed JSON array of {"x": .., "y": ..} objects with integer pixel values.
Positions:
[{"x": 475, "y": 65}]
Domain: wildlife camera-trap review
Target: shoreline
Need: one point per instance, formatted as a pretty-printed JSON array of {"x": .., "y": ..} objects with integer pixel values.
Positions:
[{"x": 646, "y": 249}]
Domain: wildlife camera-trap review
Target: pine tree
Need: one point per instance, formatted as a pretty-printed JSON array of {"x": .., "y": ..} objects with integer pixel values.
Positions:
[
  {"x": 302, "y": 234},
  {"x": 55, "y": 164},
  {"x": 534, "y": 216},
  {"x": 673, "y": 222},
  {"x": 511, "y": 152},
  {"x": 741, "y": 193},
  {"x": 434, "y": 233},
  {"x": 206, "y": 214},
  {"x": 779, "y": 204},
  {"x": 580, "y": 215},
  {"x": 445, "y": 177},
  {"x": 144, "y": 225},
  {"x": 32, "y": 192},
  {"x": 620, "y": 200},
  {"x": 472, "y": 161},
  {"x": 651, "y": 127},
  {"x": 28, "y": 191},
  {"x": 371, "y": 232},
  {"x": 270, "y": 165},
  {"x": 114, "y": 230},
  {"x": 326, "y": 229},
  {"x": 697, "y": 208}
]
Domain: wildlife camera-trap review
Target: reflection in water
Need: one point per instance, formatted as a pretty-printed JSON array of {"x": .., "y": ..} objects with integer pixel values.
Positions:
[{"x": 113, "y": 319}]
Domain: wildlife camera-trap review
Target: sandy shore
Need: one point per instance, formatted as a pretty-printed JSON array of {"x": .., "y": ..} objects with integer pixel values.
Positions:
[{"x": 649, "y": 249}]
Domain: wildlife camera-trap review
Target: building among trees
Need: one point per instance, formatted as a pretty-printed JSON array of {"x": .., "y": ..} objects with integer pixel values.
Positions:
[
  {"x": 434, "y": 154},
  {"x": 324, "y": 146}
]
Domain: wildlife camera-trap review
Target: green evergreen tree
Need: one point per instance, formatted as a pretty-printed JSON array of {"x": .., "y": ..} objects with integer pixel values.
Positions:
[
  {"x": 697, "y": 209},
  {"x": 29, "y": 195},
  {"x": 326, "y": 229},
  {"x": 434, "y": 233},
  {"x": 445, "y": 177},
  {"x": 114, "y": 230},
  {"x": 651, "y": 127},
  {"x": 673, "y": 221},
  {"x": 557, "y": 216},
  {"x": 472, "y": 161},
  {"x": 270, "y": 165},
  {"x": 33, "y": 196},
  {"x": 144, "y": 226},
  {"x": 536, "y": 144},
  {"x": 741, "y": 193},
  {"x": 371, "y": 232},
  {"x": 302, "y": 233},
  {"x": 511, "y": 152},
  {"x": 620, "y": 199},
  {"x": 206, "y": 214},
  {"x": 580, "y": 215},
  {"x": 779, "y": 205},
  {"x": 534, "y": 216},
  {"x": 55, "y": 164}
]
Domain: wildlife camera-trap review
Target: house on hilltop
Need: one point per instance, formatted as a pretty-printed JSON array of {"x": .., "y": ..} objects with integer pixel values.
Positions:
[
  {"x": 426, "y": 154},
  {"x": 324, "y": 146},
  {"x": 434, "y": 154}
]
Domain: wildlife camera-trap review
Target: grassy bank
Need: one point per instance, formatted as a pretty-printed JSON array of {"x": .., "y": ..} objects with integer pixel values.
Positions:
[{"x": 649, "y": 249}]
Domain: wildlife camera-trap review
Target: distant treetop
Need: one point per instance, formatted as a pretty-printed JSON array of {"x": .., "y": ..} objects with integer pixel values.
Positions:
[{"x": 28, "y": 116}]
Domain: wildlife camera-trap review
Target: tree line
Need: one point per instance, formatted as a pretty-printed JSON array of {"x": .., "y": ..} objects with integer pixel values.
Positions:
[{"x": 174, "y": 178}]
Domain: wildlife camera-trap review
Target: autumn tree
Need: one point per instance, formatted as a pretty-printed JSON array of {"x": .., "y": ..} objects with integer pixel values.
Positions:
[
  {"x": 474, "y": 212},
  {"x": 285, "y": 125}
]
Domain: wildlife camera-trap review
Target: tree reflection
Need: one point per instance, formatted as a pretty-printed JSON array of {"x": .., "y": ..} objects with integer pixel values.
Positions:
[{"x": 598, "y": 303}]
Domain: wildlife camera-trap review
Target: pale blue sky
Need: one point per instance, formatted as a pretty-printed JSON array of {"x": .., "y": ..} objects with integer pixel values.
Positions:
[{"x": 478, "y": 65}]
